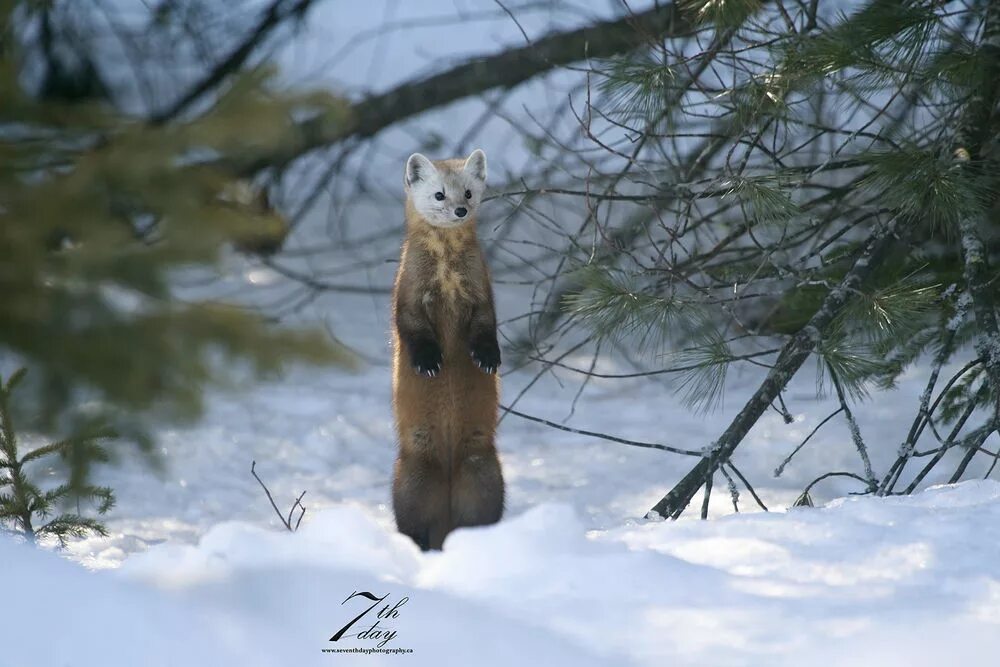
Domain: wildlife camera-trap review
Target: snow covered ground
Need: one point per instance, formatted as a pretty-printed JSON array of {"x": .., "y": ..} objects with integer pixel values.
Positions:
[
  {"x": 909, "y": 581},
  {"x": 201, "y": 573}
]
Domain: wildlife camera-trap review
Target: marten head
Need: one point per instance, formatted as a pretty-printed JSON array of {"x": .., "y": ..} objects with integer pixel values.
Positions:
[{"x": 446, "y": 193}]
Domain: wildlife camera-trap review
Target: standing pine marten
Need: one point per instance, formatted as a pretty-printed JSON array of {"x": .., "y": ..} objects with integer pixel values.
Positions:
[{"x": 444, "y": 383}]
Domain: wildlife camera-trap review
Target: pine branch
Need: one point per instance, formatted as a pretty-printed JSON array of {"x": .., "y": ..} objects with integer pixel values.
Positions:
[
  {"x": 748, "y": 486},
  {"x": 229, "y": 65},
  {"x": 790, "y": 359},
  {"x": 696, "y": 161},
  {"x": 72, "y": 525},
  {"x": 973, "y": 130},
  {"x": 506, "y": 69},
  {"x": 788, "y": 459},
  {"x": 946, "y": 445},
  {"x": 603, "y": 436},
  {"x": 973, "y": 442},
  {"x": 924, "y": 413},
  {"x": 17, "y": 505},
  {"x": 804, "y": 500}
]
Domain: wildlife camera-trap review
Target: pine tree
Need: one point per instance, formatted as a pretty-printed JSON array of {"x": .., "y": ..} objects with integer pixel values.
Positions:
[
  {"x": 104, "y": 216},
  {"x": 834, "y": 194},
  {"x": 25, "y": 508}
]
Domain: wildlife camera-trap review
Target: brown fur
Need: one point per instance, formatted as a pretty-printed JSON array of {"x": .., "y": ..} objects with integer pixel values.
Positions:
[{"x": 447, "y": 473}]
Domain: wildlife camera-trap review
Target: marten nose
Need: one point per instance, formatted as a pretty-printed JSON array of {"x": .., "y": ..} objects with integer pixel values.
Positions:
[{"x": 461, "y": 211}]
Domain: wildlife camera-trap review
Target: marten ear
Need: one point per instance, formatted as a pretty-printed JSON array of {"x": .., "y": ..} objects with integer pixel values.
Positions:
[
  {"x": 418, "y": 168},
  {"x": 476, "y": 165}
]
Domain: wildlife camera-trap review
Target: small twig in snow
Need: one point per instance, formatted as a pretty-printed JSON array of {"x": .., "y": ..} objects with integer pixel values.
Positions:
[
  {"x": 708, "y": 496},
  {"x": 734, "y": 493},
  {"x": 748, "y": 485},
  {"x": 287, "y": 523},
  {"x": 855, "y": 430}
]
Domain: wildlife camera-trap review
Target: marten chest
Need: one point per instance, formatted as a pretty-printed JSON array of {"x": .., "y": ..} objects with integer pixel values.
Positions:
[{"x": 446, "y": 272}]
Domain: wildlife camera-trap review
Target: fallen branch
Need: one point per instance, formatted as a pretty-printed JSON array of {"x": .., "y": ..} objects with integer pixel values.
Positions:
[{"x": 791, "y": 358}]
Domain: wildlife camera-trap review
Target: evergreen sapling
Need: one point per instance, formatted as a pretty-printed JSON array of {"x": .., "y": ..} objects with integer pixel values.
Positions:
[{"x": 26, "y": 509}]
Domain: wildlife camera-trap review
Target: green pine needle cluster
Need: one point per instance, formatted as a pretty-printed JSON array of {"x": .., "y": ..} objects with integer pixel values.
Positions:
[
  {"x": 893, "y": 312},
  {"x": 928, "y": 186},
  {"x": 624, "y": 307},
  {"x": 855, "y": 365},
  {"x": 636, "y": 88},
  {"x": 103, "y": 215},
  {"x": 880, "y": 331},
  {"x": 723, "y": 14},
  {"x": 883, "y": 40},
  {"x": 620, "y": 306},
  {"x": 761, "y": 99},
  {"x": 763, "y": 199},
  {"x": 29, "y": 510},
  {"x": 705, "y": 364}
]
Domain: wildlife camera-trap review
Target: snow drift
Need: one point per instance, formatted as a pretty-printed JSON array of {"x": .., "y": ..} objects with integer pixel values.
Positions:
[{"x": 908, "y": 580}]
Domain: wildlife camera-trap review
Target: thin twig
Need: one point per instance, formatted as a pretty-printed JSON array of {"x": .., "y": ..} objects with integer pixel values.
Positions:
[
  {"x": 287, "y": 523},
  {"x": 603, "y": 436},
  {"x": 781, "y": 467},
  {"x": 852, "y": 426},
  {"x": 513, "y": 18},
  {"x": 748, "y": 486},
  {"x": 734, "y": 493},
  {"x": 838, "y": 473}
]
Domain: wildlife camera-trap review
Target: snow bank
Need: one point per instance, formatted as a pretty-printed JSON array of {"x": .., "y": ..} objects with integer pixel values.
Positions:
[{"x": 900, "y": 581}]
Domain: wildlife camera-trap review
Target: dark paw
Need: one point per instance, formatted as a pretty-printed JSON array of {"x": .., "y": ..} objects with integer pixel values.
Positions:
[
  {"x": 427, "y": 358},
  {"x": 486, "y": 353}
]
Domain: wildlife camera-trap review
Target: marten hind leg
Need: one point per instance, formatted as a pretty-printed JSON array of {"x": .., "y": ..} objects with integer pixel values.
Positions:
[
  {"x": 420, "y": 500},
  {"x": 477, "y": 492}
]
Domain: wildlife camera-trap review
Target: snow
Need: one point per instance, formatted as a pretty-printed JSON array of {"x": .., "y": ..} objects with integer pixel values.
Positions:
[{"x": 899, "y": 581}]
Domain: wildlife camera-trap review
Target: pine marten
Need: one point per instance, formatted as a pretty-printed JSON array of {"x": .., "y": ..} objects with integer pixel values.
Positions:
[{"x": 445, "y": 357}]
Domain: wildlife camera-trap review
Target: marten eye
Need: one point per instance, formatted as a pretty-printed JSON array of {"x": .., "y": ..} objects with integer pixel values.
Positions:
[
  {"x": 468, "y": 194},
  {"x": 439, "y": 196}
]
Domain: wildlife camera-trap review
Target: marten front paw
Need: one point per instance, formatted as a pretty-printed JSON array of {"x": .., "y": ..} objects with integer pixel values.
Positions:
[
  {"x": 427, "y": 358},
  {"x": 486, "y": 353}
]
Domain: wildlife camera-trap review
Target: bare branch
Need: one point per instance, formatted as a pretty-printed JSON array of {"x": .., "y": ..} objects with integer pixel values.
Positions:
[
  {"x": 287, "y": 523},
  {"x": 506, "y": 69}
]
